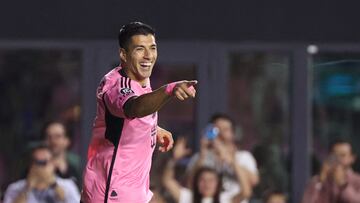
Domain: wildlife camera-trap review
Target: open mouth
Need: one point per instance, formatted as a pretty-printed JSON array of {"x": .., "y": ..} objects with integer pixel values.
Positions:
[{"x": 145, "y": 65}]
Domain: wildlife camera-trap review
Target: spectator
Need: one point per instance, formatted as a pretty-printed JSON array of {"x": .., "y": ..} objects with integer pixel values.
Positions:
[
  {"x": 67, "y": 164},
  {"x": 206, "y": 184},
  {"x": 157, "y": 197},
  {"x": 337, "y": 182},
  {"x": 275, "y": 197},
  {"x": 214, "y": 153},
  {"x": 41, "y": 184}
]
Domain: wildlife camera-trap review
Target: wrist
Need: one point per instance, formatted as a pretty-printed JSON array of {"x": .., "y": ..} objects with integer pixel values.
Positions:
[{"x": 169, "y": 88}]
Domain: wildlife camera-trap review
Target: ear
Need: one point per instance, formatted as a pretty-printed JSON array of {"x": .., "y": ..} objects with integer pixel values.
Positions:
[
  {"x": 353, "y": 158},
  {"x": 67, "y": 141},
  {"x": 122, "y": 53}
]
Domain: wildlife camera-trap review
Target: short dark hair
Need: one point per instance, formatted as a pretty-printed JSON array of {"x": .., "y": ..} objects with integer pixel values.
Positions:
[
  {"x": 37, "y": 147},
  {"x": 52, "y": 122},
  {"x": 131, "y": 29},
  {"x": 224, "y": 116},
  {"x": 339, "y": 140}
]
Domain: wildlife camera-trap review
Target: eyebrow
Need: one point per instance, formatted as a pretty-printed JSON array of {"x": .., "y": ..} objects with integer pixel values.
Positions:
[{"x": 152, "y": 45}]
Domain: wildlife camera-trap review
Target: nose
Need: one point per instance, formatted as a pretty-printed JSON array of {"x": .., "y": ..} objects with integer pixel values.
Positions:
[{"x": 148, "y": 54}]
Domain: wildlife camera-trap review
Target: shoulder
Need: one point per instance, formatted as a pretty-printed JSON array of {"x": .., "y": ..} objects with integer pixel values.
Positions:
[
  {"x": 246, "y": 159},
  {"x": 73, "y": 158},
  {"x": 17, "y": 184},
  {"x": 244, "y": 156}
]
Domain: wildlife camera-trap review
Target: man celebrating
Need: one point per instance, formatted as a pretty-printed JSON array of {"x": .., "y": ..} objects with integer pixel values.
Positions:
[
  {"x": 125, "y": 129},
  {"x": 337, "y": 182}
]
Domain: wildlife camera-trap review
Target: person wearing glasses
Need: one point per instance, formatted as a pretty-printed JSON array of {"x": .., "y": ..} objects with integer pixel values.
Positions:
[{"x": 41, "y": 184}]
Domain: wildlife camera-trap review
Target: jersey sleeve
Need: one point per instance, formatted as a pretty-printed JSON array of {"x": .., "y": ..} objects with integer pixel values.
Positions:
[
  {"x": 115, "y": 98},
  {"x": 246, "y": 159}
]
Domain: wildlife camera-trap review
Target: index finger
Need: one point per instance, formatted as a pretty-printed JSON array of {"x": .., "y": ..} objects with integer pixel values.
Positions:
[{"x": 191, "y": 83}]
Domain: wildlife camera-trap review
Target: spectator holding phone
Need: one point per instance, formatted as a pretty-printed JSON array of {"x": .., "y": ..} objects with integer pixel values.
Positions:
[
  {"x": 217, "y": 146},
  {"x": 41, "y": 184},
  {"x": 206, "y": 185},
  {"x": 337, "y": 182}
]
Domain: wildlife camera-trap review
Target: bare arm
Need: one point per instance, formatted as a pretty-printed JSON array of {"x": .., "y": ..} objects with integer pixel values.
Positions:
[
  {"x": 170, "y": 182},
  {"x": 147, "y": 104},
  {"x": 253, "y": 178},
  {"x": 244, "y": 182},
  {"x": 227, "y": 154},
  {"x": 197, "y": 161}
]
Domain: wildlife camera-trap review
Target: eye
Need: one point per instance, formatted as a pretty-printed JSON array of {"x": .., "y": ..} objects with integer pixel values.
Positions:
[{"x": 139, "y": 49}]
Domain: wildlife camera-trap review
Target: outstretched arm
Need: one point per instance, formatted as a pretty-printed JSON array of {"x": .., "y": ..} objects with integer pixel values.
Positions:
[{"x": 147, "y": 104}]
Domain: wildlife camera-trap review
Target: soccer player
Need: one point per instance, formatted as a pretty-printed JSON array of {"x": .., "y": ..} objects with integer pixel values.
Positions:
[{"x": 125, "y": 129}]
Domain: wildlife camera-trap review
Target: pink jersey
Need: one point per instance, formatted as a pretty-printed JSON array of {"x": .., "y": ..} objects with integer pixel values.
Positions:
[{"x": 120, "y": 152}]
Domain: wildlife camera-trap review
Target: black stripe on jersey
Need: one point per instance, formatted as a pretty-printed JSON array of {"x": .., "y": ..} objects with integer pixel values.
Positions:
[
  {"x": 126, "y": 79},
  {"x": 129, "y": 83},
  {"x": 122, "y": 82},
  {"x": 114, "y": 127}
]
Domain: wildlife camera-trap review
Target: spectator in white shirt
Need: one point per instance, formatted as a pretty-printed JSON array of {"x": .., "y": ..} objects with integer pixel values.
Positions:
[{"x": 41, "y": 184}]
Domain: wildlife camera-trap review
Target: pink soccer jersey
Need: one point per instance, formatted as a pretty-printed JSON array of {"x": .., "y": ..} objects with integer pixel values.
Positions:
[{"x": 120, "y": 152}]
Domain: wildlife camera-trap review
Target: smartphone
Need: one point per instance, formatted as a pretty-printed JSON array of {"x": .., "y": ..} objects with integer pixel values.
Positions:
[
  {"x": 332, "y": 160},
  {"x": 211, "y": 132}
]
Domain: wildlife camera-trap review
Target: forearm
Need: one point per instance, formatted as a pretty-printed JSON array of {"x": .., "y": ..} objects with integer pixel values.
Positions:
[
  {"x": 199, "y": 162},
  {"x": 253, "y": 178},
  {"x": 244, "y": 182},
  {"x": 146, "y": 104},
  {"x": 169, "y": 181}
]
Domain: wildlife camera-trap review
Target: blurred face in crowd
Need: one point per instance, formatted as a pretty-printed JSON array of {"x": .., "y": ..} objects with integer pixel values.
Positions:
[
  {"x": 208, "y": 183},
  {"x": 42, "y": 164},
  {"x": 343, "y": 154},
  {"x": 226, "y": 132},
  {"x": 140, "y": 57},
  {"x": 56, "y": 138},
  {"x": 276, "y": 198}
]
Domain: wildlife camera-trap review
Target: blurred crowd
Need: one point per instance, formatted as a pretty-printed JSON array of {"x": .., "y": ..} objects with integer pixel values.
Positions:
[
  {"x": 220, "y": 172},
  {"x": 50, "y": 172}
]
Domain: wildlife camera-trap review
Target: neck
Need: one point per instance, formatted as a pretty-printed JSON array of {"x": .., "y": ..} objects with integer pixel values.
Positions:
[
  {"x": 60, "y": 155},
  {"x": 143, "y": 82}
]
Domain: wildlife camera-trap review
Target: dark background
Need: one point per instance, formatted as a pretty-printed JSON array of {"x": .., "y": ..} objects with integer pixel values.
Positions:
[{"x": 282, "y": 20}]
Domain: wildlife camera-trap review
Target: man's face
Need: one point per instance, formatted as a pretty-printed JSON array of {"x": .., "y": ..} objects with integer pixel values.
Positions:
[
  {"x": 56, "y": 138},
  {"x": 226, "y": 132},
  {"x": 42, "y": 162},
  {"x": 140, "y": 56},
  {"x": 343, "y": 154}
]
